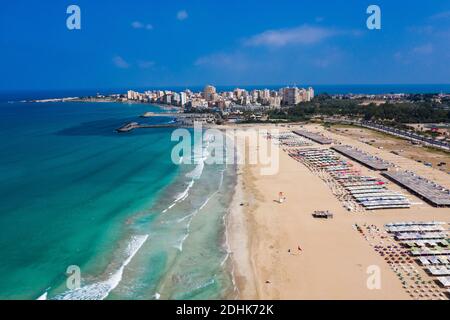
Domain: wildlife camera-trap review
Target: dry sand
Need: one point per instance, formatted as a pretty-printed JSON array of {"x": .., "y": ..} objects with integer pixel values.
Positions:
[
  {"x": 334, "y": 258},
  {"x": 401, "y": 146}
]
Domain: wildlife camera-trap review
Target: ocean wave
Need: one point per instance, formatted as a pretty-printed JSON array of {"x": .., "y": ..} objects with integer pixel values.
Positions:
[
  {"x": 191, "y": 216},
  {"x": 185, "y": 217},
  {"x": 180, "y": 197},
  {"x": 198, "y": 170},
  {"x": 200, "y": 287},
  {"x": 200, "y": 156},
  {"x": 101, "y": 290},
  {"x": 221, "y": 178},
  {"x": 43, "y": 296},
  {"x": 226, "y": 244},
  {"x": 179, "y": 245},
  {"x": 207, "y": 200},
  {"x": 183, "y": 195},
  {"x": 206, "y": 284}
]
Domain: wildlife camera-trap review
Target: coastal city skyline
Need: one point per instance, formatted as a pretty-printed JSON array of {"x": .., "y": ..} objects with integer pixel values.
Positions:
[
  {"x": 140, "y": 45},
  {"x": 210, "y": 97}
]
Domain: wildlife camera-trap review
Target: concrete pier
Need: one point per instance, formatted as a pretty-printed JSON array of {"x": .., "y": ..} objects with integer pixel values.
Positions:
[{"x": 134, "y": 125}]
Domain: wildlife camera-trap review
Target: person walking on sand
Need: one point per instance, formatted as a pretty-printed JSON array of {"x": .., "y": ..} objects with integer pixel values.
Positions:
[
  {"x": 299, "y": 249},
  {"x": 281, "y": 197}
]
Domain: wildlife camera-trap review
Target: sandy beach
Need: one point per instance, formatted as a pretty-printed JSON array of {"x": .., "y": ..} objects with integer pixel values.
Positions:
[{"x": 265, "y": 236}]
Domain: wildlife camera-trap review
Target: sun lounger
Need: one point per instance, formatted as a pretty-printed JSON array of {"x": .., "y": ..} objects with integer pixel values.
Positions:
[
  {"x": 444, "y": 281},
  {"x": 438, "y": 271},
  {"x": 424, "y": 261}
]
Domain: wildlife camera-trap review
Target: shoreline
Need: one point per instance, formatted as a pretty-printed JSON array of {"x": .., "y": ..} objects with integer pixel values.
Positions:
[
  {"x": 239, "y": 241},
  {"x": 80, "y": 100}
]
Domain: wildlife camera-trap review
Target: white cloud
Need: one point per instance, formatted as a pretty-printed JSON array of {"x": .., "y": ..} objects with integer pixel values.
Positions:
[
  {"x": 424, "y": 49},
  {"x": 145, "y": 64},
  {"x": 226, "y": 62},
  {"x": 441, "y": 15},
  {"x": 422, "y": 30},
  {"x": 120, "y": 62},
  {"x": 415, "y": 55},
  {"x": 182, "y": 15},
  {"x": 319, "y": 19},
  {"x": 140, "y": 25},
  {"x": 398, "y": 55},
  {"x": 303, "y": 35},
  {"x": 328, "y": 58},
  {"x": 215, "y": 59},
  {"x": 137, "y": 24}
]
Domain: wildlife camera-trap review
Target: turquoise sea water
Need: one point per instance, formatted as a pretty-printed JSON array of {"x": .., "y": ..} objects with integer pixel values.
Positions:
[{"x": 74, "y": 192}]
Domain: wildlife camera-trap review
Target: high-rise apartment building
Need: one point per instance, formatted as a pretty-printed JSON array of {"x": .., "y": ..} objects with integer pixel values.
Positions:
[
  {"x": 209, "y": 93},
  {"x": 291, "y": 96},
  {"x": 183, "y": 98}
]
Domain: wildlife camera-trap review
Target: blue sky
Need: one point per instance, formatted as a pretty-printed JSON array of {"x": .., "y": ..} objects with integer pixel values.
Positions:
[{"x": 149, "y": 43}]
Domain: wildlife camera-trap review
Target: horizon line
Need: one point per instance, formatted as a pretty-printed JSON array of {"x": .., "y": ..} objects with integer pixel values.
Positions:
[{"x": 221, "y": 85}]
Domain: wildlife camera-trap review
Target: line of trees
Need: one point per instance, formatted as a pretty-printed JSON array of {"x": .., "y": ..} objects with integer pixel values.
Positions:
[{"x": 425, "y": 111}]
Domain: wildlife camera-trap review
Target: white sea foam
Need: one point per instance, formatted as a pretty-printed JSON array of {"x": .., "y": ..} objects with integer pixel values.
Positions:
[
  {"x": 180, "y": 197},
  {"x": 227, "y": 243},
  {"x": 179, "y": 246},
  {"x": 203, "y": 204},
  {"x": 43, "y": 296},
  {"x": 206, "y": 284},
  {"x": 198, "y": 170},
  {"x": 185, "y": 217},
  {"x": 199, "y": 158},
  {"x": 221, "y": 178},
  {"x": 100, "y": 290},
  {"x": 207, "y": 200},
  {"x": 185, "y": 193},
  {"x": 225, "y": 259},
  {"x": 214, "y": 193}
]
